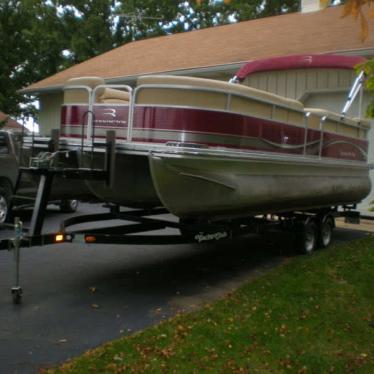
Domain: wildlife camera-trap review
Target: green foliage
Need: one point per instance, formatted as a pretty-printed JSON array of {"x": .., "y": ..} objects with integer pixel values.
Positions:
[
  {"x": 143, "y": 18},
  {"x": 41, "y": 37},
  {"x": 368, "y": 67},
  {"x": 3, "y": 122},
  {"x": 88, "y": 28},
  {"x": 30, "y": 42}
]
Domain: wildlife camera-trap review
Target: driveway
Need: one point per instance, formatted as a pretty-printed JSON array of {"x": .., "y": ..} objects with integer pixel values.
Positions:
[{"x": 77, "y": 296}]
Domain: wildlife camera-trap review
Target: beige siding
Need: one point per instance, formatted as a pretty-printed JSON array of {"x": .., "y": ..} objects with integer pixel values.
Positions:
[
  {"x": 49, "y": 113},
  {"x": 295, "y": 83}
]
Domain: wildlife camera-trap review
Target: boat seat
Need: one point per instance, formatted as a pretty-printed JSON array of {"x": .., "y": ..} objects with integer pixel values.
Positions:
[
  {"x": 80, "y": 95},
  {"x": 114, "y": 96},
  {"x": 227, "y": 87}
]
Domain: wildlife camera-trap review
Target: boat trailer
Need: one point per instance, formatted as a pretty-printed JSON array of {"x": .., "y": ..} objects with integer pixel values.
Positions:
[{"x": 135, "y": 226}]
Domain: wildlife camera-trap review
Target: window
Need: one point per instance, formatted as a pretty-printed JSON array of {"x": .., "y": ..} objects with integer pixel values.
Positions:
[{"x": 4, "y": 148}]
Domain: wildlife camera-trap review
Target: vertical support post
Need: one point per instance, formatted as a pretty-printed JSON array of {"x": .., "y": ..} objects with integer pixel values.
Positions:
[
  {"x": 272, "y": 114},
  {"x": 110, "y": 157},
  {"x": 32, "y": 138},
  {"x": 89, "y": 114},
  {"x": 360, "y": 100},
  {"x": 321, "y": 122},
  {"x": 306, "y": 116},
  {"x": 356, "y": 87},
  {"x": 42, "y": 198},
  {"x": 228, "y": 101},
  {"x": 130, "y": 114},
  {"x": 20, "y": 150},
  {"x": 54, "y": 142},
  {"x": 16, "y": 289}
]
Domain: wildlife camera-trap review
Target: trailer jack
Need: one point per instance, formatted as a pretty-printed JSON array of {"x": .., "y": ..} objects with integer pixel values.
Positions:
[{"x": 15, "y": 245}]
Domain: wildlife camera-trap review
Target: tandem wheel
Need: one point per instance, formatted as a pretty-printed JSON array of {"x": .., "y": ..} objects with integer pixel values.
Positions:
[
  {"x": 306, "y": 237},
  {"x": 314, "y": 233},
  {"x": 325, "y": 231}
]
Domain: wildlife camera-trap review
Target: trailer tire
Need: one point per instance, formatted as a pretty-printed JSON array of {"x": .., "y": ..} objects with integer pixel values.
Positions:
[
  {"x": 5, "y": 196},
  {"x": 325, "y": 232},
  {"x": 306, "y": 237}
]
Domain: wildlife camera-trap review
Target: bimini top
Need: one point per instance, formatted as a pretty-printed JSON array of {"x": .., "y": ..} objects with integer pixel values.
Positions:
[{"x": 299, "y": 62}]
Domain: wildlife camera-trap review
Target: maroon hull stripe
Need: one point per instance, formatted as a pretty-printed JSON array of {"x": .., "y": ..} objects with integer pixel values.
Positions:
[{"x": 213, "y": 128}]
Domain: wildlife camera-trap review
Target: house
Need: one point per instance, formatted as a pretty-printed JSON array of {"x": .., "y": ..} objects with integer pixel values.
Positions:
[
  {"x": 215, "y": 52},
  {"x": 219, "y": 51},
  {"x": 9, "y": 123}
]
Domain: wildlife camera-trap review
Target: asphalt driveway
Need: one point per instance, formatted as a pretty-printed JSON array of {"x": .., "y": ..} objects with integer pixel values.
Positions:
[{"x": 78, "y": 296}]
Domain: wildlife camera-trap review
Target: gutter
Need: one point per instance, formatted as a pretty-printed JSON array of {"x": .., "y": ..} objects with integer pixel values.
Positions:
[{"x": 128, "y": 79}]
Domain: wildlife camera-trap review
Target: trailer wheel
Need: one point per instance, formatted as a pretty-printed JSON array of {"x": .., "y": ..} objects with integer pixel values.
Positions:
[
  {"x": 325, "y": 232},
  {"x": 306, "y": 238},
  {"x": 5, "y": 194}
]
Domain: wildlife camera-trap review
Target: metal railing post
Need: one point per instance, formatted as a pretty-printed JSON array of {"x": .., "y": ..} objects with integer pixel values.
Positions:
[
  {"x": 306, "y": 116},
  {"x": 360, "y": 100},
  {"x": 356, "y": 87},
  {"x": 321, "y": 122}
]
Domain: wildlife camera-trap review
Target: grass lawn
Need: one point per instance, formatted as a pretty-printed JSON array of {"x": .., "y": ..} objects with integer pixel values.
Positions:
[{"x": 314, "y": 314}]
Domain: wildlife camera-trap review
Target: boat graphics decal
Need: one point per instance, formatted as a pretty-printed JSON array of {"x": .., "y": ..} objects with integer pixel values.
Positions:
[{"x": 204, "y": 237}]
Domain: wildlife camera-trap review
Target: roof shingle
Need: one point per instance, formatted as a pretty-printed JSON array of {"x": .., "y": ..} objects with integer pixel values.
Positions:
[
  {"x": 297, "y": 33},
  {"x": 10, "y": 123}
]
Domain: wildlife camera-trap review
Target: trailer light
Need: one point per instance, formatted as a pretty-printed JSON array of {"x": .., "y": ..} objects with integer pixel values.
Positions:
[
  {"x": 59, "y": 238},
  {"x": 90, "y": 239}
]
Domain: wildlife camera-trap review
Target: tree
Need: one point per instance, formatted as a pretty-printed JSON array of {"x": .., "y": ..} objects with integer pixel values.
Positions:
[
  {"x": 140, "y": 19},
  {"x": 41, "y": 37},
  {"x": 30, "y": 42},
  {"x": 88, "y": 27},
  {"x": 354, "y": 8}
]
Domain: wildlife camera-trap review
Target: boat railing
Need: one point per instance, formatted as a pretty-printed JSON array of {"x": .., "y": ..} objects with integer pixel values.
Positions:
[
  {"x": 228, "y": 103},
  {"x": 88, "y": 126},
  {"x": 229, "y": 94},
  {"x": 357, "y": 88},
  {"x": 225, "y": 105},
  {"x": 88, "y": 114}
]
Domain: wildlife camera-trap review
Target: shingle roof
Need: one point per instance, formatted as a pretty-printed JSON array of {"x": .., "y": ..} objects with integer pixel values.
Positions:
[
  {"x": 296, "y": 33},
  {"x": 10, "y": 124}
]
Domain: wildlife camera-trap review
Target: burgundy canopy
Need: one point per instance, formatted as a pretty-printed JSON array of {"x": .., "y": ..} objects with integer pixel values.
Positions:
[{"x": 299, "y": 62}]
